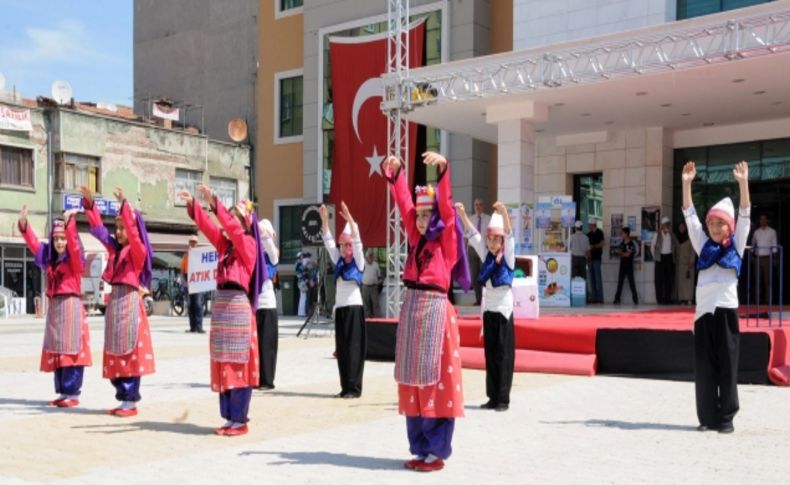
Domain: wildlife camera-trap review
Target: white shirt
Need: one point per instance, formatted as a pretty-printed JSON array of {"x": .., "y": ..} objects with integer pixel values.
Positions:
[
  {"x": 347, "y": 293},
  {"x": 496, "y": 298},
  {"x": 716, "y": 286},
  {"x": 267, "y": 299},
  {"x": 578, "y": 243},
  {"x": 484, "y": 219},
  {"x": 371, "y": 274},
  {"x": 763, "y": 239},
  {"x": 666, "y": 242}
]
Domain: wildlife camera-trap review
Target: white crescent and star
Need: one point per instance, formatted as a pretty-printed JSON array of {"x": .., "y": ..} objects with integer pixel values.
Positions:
[{"x": 372, "y": 88}]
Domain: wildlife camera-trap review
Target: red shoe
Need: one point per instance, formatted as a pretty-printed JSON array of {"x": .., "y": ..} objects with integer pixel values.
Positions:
[
  {"x": 68, "y": 403},
  {"x": 236, "y": 431},
  {"x": 57, "y": 401},
  {"x": 412, "y": 464},
  {"x": 123, "y": 413},
  {"x": 221, "y": 430},
  {"x": 433, "y": 466}
]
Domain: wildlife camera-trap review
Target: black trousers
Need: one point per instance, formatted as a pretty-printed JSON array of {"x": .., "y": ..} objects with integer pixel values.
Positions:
[
  {"x": 626, "y": 271},
  {"x": 665, "y": 278},
  {"x": 195, "y": 310},
  {"x": 500, "y": 351},
  {"x": 716, "y": 348},
  {"x": 268, "y": 336},
  {"x": 350, "y": 345},
  {"x": 579, "y": 266}
]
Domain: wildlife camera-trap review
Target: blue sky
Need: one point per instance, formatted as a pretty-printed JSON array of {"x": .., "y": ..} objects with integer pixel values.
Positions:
[{"x": 85, "y": 42}]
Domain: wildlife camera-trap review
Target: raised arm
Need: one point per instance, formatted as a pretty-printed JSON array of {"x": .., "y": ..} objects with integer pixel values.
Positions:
[
  {"x": 326, "y": 235},
  {"x": 267, "y": 241},
  {"x": 73, "y": 243},
  {"x": 444, "y": 199},
  {"x": 243, "y": 243},
  {"x": 400, "y": 192},
  {"x": 689, "y": 172},
  {"x": 136, "y": 246},
  {"x": 743, "y": 224},
  {"x": 98, "y": 230},
  {"x": 696, "y": 233},
  {"x": 31, "y": 239},
  {"x": 510, "y": 240},
  {"x": 470, "y": 232},
  {"x": 356, "y": 239},
  {"x": 202, "y": 220}
]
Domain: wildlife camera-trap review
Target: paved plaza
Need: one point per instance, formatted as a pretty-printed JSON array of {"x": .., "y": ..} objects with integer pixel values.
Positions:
[{"x": 559, "y": 429}]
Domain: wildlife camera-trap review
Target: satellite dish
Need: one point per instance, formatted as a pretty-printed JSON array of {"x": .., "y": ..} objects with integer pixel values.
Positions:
[
  {"x": 237, "y": 130},
  {"x": 61, "y": 92},
  {"x": 2, "y": 81}
]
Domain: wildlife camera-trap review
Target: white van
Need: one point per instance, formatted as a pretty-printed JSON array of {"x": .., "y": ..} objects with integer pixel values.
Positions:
[{"x": 95, "y": 292}]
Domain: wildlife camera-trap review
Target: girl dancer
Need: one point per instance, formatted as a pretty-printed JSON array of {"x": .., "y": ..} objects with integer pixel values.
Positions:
[
  {"x": 128, "y": 352},
  {"x": 716, "y": 326},
  {"x": 266, "y": 313},
  {"x": 496, "y": 275},
  {"x": 66, "y": 349},
  {"x": 240, "y": 273},
  {"x": 427, "y": 357},
  {"x": 349, "y": 312}
]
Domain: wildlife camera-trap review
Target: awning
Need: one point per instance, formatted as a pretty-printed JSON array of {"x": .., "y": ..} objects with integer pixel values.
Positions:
[
  {"x": 166, "y": 260},
  {"x": 159, "y": 242}
]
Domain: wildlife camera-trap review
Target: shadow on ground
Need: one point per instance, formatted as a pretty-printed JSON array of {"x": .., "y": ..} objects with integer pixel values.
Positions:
[
  {"x": 626, "y": 425},
  {"x": 132, "y": 426},
  {"x": 33, "y": 407},
  {"x": 327, "y": 458}
]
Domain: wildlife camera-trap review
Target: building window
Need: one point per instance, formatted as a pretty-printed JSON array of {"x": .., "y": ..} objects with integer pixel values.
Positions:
[
  {"x": 225, "y": 190},
  {"x": 187, "y": 180},
  {"x": 288, "y": 106},
  {"x": 16, "y": 166},
  {"x": 285, "y": 8},
  {"x": 290, "y": 235},
  {"x": 696, "y": 8},
  {"x": 75, "y": 171}
]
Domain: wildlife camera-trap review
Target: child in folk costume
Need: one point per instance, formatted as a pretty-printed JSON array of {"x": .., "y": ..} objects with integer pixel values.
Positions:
[
  {"x": 128, "y": 352},
  {"x": 240, "y": 274},
  {"x": 266, "y": 313},
  {"x": 350, "y": 337},
  {"x": 427, "y": 355},
  {"x": 716, "y": 326},
  {"x": 66, "y": 349},
  {"x": 496, "y": 275}
]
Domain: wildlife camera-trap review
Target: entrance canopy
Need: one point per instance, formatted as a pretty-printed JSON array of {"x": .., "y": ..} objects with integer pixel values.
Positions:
[{"x": 716, "y": 70}]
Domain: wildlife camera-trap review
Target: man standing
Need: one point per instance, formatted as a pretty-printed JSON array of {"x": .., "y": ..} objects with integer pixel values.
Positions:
[
  {"x": 627, "y": 251},
  {"x": 371, "y": 279},
  {"x": 579, "y": 247},
  {"x": 480, "y": 222},
  {"x": 764, "y": 238},
  {"x": 665, "y": 247},
  {"x": 596, "y": 239},
  {"x": 195, "y": 307}
]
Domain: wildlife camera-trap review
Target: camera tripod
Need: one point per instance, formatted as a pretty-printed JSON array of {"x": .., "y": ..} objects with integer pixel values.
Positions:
[{"x": 315, "y": 312}]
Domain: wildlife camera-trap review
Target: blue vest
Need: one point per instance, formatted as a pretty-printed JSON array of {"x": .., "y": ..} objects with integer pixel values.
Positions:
[
  {"x": 348, "y": 271},
  {"x": 498, "y": 273},
  {"x": 713, "y": 253},
  {"x": 271, "y": 269}
]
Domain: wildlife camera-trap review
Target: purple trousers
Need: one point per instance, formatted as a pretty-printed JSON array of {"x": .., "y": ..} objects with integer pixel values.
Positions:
[
  {"x": 430, "y": 436},
  {"x": 68, "y": 380},
  {"x": 235, "y": 404},
  {"x": 127, "y": 388}
]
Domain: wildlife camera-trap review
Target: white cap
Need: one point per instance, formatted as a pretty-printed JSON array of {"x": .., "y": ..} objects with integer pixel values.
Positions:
[
  {"x": 665, "y": 220},
  {"x": 265, "y": 225},
  {"x": 592, "y": 220},
  {"x": 577, "y": 224},
  {"x": 723, "y": 210},
  {"x": 496, "y": 225}
]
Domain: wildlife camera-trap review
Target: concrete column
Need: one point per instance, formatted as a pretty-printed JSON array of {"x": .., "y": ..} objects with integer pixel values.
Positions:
[
  {"x": 516, "y": 161},
  {"x": 516, "y": 145}
]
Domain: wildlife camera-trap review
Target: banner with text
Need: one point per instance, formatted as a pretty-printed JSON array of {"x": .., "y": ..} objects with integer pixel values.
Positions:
[{"x": 202, "y": 270}]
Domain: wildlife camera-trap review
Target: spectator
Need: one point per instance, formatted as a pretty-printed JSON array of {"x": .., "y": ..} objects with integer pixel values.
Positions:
[
  {"x": 480, "y": 222},
  {"x": 684, "y": 269},
  {"x": 195, "y": 307},
  {"x": 371, "y": 283},
  {"x": 596, "y": 239},
  {"x": 665, "y": 246},
  {"x": 626, "y": 251},
  {"x": 763, "y": 239},
  {"x": 579, "y": 247},
  {"x": 301, "y": 283}
]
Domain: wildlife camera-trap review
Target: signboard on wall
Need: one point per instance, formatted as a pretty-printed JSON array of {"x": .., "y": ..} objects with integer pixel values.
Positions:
[{"x": 106, "y": 207}]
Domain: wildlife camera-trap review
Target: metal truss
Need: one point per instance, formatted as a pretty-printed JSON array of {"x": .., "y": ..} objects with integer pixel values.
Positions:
[
  {"x": 397, "y": 143},
  {"x": 524, "y": 72}
]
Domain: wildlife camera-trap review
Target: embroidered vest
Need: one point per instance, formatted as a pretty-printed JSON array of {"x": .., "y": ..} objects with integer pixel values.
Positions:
[
  {"x": 271, "y": 269},
  {"x": 498, "y": 273},
  {"x": 726, "y": 257},
  {"x": 348, "y": 271}
]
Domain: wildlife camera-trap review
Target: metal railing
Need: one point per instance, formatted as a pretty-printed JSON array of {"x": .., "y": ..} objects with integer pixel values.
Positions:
[{"x": 755, "y": 312}]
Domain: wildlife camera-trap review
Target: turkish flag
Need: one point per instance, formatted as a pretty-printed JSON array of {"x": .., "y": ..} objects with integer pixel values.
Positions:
[{"x": 361, "y": 129}]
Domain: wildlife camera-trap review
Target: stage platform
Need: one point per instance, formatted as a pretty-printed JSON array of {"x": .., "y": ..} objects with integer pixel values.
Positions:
[{"x": 657, "y": 343}]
